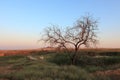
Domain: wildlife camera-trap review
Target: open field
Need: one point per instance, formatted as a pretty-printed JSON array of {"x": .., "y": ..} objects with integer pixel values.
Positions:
[
  {"x": 92, "y": 64},
  {"x": 24, "y": 52}
]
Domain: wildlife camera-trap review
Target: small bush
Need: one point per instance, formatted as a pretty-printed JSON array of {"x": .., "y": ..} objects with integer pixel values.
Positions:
[
  {"x": 60, "y": 59},
  {"x": 109, "y": 53},
  {"x": 93, "y": 68}
]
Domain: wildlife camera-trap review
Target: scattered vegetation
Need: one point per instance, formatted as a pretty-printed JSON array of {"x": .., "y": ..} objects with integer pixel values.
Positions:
[{"x": 57, "y": 66}]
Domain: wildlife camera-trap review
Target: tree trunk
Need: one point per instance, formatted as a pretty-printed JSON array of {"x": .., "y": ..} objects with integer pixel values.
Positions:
[{"x": 73, "y": 60}]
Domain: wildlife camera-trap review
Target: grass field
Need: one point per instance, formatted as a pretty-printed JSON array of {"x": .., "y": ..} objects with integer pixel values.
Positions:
[{"x": 92, "y": 64}]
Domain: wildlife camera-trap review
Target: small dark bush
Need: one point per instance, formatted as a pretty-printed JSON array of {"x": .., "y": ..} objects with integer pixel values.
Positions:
[
  {"x": 11, "y": 57},
  {"x": 60, "y": 59},
  {"x": 102, "y": 61},
  {"x": 109, "y": 53}
]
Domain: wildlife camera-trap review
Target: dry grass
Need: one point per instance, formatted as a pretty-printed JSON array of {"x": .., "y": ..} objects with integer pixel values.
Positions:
[{"x": 26, "y": 52}]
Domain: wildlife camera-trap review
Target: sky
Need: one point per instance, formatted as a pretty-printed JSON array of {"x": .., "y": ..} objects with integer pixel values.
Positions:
[{"x": 22, "y": 21}]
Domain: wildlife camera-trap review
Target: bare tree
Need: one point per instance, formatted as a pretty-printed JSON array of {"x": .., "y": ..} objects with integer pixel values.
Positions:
[{"x": 82, "y": 33}]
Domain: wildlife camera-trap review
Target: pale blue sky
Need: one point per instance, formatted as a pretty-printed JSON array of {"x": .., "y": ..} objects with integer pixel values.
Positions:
[{"x": 21, "y": 21}]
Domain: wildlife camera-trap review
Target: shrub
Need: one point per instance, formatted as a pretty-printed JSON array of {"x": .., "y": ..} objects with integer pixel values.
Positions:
[{"x": 60, "y": 59}]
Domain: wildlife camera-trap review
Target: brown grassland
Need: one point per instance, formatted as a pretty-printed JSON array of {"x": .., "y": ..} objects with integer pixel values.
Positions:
[{"x": 26, "y": 52}]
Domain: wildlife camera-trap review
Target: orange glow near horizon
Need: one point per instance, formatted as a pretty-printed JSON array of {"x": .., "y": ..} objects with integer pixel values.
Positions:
[{"x": 29, "y": 44}]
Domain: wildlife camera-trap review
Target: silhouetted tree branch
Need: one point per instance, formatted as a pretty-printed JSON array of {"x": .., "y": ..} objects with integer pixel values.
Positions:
[{"x": 82, "y": 33}]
